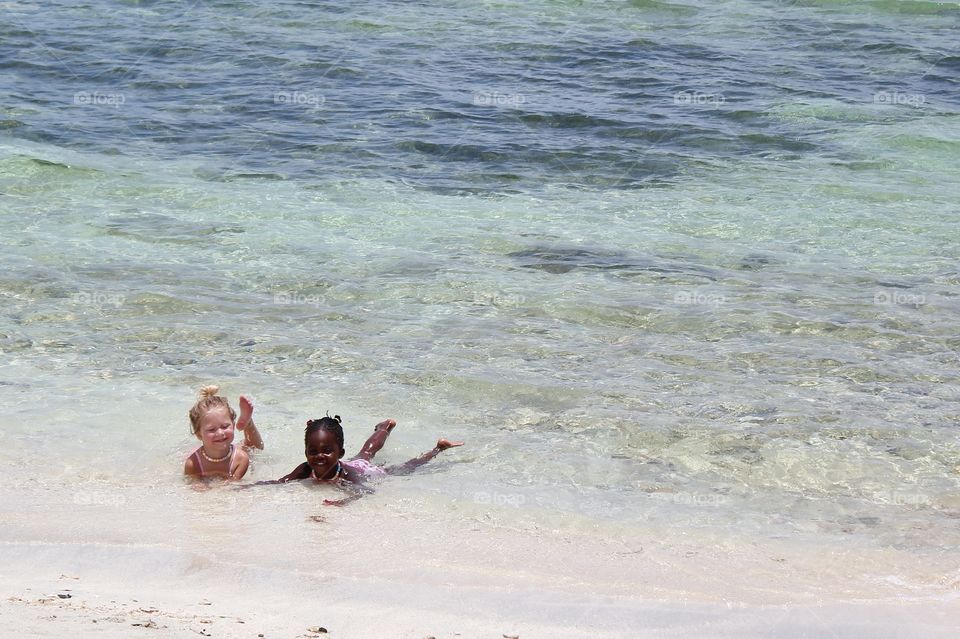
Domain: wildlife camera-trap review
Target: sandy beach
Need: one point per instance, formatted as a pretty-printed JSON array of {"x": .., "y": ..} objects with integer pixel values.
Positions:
[
  {"x": 380, "y": 570},
  {"x": 122, "y": 603}
]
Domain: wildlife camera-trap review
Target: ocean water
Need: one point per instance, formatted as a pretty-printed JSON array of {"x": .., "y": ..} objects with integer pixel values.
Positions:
[{"x": 664, "y": 266}]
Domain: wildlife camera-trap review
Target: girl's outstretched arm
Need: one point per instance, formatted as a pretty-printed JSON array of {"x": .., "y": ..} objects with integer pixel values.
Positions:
[
  {"x": 251, "y": 436},
  {"x": 356, "y": 490},
  {"x": 342, "y": 502},
  {"x": 300, "y": 472},
  {"x": 413, "y": 464}
]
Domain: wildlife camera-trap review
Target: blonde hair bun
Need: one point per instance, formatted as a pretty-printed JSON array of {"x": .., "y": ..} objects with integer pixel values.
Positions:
[{"x": 209, "y": 391}]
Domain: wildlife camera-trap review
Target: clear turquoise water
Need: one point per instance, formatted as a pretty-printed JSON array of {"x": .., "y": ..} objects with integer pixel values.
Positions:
[{"x": 658, "y": 263}]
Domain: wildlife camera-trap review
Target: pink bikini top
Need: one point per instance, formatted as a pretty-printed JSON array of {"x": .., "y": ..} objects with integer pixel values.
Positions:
[{"x": 230, "y": 468}]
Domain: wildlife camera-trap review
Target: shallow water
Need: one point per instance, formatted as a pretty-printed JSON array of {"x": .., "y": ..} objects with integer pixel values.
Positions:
[{"x": 659, "y": 264}]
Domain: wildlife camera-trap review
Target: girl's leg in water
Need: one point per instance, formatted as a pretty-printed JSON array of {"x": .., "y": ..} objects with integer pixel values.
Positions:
[
  {"x": 375, "y": 442},
  {"x": 358, "y": 489},
  {"x": 413, "y": 464}
]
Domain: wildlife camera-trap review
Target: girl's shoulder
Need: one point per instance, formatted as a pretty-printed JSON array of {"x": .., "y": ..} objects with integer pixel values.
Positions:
[{"x": 191, "y": 465}]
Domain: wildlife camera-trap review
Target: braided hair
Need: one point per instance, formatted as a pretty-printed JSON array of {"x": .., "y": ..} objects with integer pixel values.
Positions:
[{"x": 331, "y": 424}]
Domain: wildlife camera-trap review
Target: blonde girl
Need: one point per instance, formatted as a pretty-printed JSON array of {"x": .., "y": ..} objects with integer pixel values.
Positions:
[{"x": 213, "y": 422}]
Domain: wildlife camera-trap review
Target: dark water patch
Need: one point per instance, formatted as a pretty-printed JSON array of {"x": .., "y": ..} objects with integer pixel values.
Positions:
[
  {"x": 454, "y": 152},
  {"x": 559, "y": 260},
  {"x": 900, "y": 285},
  {"x": 755, "y": 118},
  {"x": 14, "y": 343},
  {"x": 758, "y": 261},
  {"x": 914, "y": 7},
  {"x": 866, "y": 165},
  {"x": 275, "y": 177},
  {"x": 456, "y": 188},
  {"x": 157, "y": 228},
  {"x": 892, "y": 48},
  {"x": 579, "y": 166},
  {"x": 177, "y": 362},
  {"x": 175, "y": 84},
  {"x": 25, "y": 166},
  {"x": 693, "y": 55},
  {"x": 437, "y": 115},
  {"x": 665, "y": 134},
  {"x": 548, "y": 96},
  {"x": 664, "y": 7},
  {"x": 369, "y": 27},
  {"x": 27, "y": 65},
  {"x": 567, "y": 121},
  {"x": 951, "y": 62},
  {"x": 499, "y": 178},
  {"x": 946, "y": 70},
  {"x": 564, "y": 260},
  {"x": 46, "y": 163},
  {"x": 762, "y": 142}
]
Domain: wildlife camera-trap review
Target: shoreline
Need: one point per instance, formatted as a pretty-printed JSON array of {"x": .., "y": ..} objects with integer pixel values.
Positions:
[
  {"x": 388, "y": 570},
  {"x": 85, "y": 596}
]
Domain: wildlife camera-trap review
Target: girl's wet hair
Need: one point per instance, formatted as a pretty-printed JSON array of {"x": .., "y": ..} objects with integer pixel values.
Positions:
[
  {"x": 331, "y": 424},
  {"x": 208, "y": 401}
]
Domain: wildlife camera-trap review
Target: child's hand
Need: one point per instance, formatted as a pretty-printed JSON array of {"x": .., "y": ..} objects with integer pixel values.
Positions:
[
  {"x": 443, "y": 444},
  {"x": 246, "y": 412},
  {"x": 342, "y": 502}
]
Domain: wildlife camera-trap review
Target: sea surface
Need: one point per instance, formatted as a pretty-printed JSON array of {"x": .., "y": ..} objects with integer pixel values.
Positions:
[{"x": 662, "y": 265}]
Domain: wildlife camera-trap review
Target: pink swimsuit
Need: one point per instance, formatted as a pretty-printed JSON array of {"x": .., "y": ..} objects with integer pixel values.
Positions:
[
  {"x": 364, "y": 468},
  {"x": 233, "y": 461}
]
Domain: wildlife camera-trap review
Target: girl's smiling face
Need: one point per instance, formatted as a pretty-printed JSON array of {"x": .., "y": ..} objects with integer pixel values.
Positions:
[
  {"x": 216, "y": 429},
  {"x": 322, "y": 452}
]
